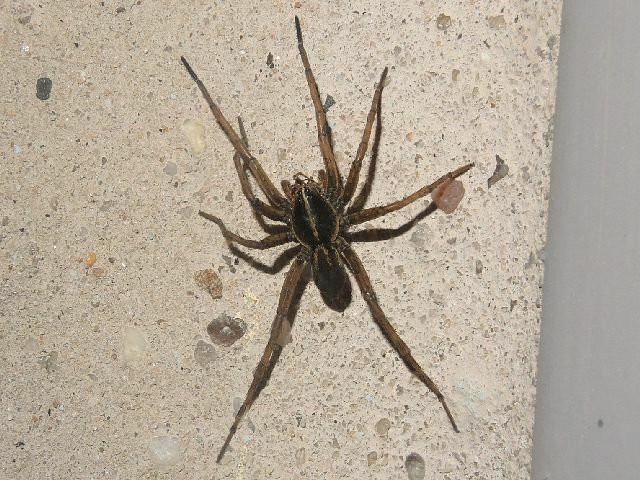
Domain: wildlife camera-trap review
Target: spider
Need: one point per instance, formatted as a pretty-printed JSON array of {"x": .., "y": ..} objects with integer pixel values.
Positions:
[{"x": 317, "y": 216}]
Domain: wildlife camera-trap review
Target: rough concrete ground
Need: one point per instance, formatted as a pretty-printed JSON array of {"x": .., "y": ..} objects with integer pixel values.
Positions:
[{"x": 102, "y": 360}]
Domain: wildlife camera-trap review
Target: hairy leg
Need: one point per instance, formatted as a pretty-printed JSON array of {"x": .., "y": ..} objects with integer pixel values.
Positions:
[
  {"x": 268, "y": 242},
  {"x": 279, "y": 263},
  {"x": 354, "y": 172},
  {"x": 265, "y": 184},
  {"x": 378, "y": 234},
  {"x": 375, "y": 212},
  {"x": 361, "y": 199},
  {"x": 272, "y": 350},
  {"x": 324, "y": 137},
  {"x": 359, "y": 272},
  {"x": 269, "y": 211}
]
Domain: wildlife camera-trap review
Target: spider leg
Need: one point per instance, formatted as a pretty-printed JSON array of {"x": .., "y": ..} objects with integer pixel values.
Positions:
[
  {"x": 269, "y": 211},
  {"x": 286, "y": 188},
  {"x": 322, "y": 180},
  {"x": 334, "y": 186},
  {"x": 267, "y": 242},
  {"x": 279, "y": 263},
  {"x": 359, "y": 272},
  {"x": 362, "y": 197},
  {"x": 378, "y": 234},
  {"x": 375, "y": 212},
  {"x": 265, "y": 184},
  {"x": 354, "y": 172},
  {"x": 273, "y": 348}
]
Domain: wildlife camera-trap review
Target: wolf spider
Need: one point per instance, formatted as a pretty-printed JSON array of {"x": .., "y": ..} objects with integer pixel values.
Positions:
[{"x": 317, "y": 216}]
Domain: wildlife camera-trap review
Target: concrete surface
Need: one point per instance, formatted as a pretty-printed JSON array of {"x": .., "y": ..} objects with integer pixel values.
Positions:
[
  {"x": 588, "y": 412},
  {"x": 98, "y": 362}
]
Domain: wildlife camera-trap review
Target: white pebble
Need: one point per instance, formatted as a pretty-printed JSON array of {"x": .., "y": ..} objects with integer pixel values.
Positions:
[
  {"x": 194, "y": 131},
  {"x": 135, "y": 345},
  {"x": 165, "y": 450}
]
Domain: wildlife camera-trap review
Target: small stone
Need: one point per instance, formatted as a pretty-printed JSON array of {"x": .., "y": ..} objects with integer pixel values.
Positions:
[
  {"x": 43, "y": 88},
  {"x": 448, "y": 195},
  {"x": 49, "y": 361},
  {"x": 382, "y": 426},
  {"x": 501, "y": 171},
  {"x": 372, "y": 458},
  {"x": 165, "y": 450},
  {"x": 193, "y": 130},
  {"x": 329, "y": 102},
  {"x": 225, "y": 330},
  {"x": 443, "y": 21},
  {"x": 91, "y": 259},
  {"x": 454, "y": 74},
  {"x": 497, "y": 22},
  {"x": 415, "y": 467},
  {"x": 479, "y": 267},
  {"x": 209, "y": 281},
  {"x": 5, "y": 221},
  {"x": 301, "y": 456},
  {"x": 204, "y": 353},
  {"x": 170, "y": 168},
  {"x": 270, "y": 60},
  {"x": 134, "y": 346}
]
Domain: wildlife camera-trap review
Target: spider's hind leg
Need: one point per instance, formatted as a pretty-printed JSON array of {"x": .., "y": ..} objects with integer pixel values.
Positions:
[
  {"x": 274, "y": 346},
  {"x": 359, "y": 272}
]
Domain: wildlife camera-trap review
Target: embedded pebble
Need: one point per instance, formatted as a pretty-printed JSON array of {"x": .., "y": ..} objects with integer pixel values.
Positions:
[
  {"x": 501, "y": 171},
  {"x": 170, "y": 168},
  {"x": 165, "y": 450},
  {"x": 209, "y": 281},
  {"x": 204, "y": 353},
  {"x": 226, "y": 330},
  {"x": 43, "y": 88},
  {"x": 497, "y": 22},
  {"x": 49, "y": 361},
  {"x": 329, "y": 102},
  {"x": 134, "y": 346},
  {"x": 443, "y": 21},
  {"x": 90, "y": 260},
  {"x": 479, "y": 267},
  {"x": 448, "y": 195},
  {"x": 371, "y": 458},
  {"x": 193, "y": 130},
  {"x": 301, "y": 456},
  {"x": 382, "y": 426},
  {"x": 415, "y": 467}
]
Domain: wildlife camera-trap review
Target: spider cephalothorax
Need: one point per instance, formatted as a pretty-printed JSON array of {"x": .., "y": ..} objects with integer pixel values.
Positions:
[{"x": 317, "y": 217}]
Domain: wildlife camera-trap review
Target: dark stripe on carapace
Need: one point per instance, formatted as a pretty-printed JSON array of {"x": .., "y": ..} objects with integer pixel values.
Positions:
[{"x": 314, "y": 222}]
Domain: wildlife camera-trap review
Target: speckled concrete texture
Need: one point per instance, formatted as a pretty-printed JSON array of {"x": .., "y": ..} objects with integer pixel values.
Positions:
[{"x": 103, "y": 359}]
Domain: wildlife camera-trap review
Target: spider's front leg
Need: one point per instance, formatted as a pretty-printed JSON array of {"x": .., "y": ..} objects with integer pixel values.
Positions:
[
  {"x": 265, "y": 184},
  {"x": 261, "y": 208},
  {"x": 357, "y": 269},
  {"x": 334, "y": 182},
  {"x": 354, "y": 171},
  {"x": 274, "y": 346}
]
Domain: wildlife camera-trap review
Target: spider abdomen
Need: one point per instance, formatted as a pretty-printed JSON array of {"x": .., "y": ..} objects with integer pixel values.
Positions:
[{"x": 315, "y": 222}]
